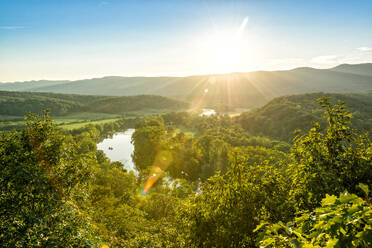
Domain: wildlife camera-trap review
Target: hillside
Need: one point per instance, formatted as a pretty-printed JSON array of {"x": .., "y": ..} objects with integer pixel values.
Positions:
[
  {"x": 361, "y": 69},
  {"x": 20, "y": 103},
  {"x": 283, "y": 115},
  {"x": 245, "y": 90}
]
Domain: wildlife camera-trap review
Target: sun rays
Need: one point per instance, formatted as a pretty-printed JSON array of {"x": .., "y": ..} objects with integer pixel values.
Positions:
[{"x": 222, "y": 49}]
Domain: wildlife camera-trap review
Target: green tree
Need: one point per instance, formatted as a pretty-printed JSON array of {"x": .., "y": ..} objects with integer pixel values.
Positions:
[
  {"x": 344, "y": 221},
  {"x": 230, "y": 206},
  {"x": 41, "y": 174},
  {"x": 332, "y": 161},
  {"x": 147, "y": 142}
]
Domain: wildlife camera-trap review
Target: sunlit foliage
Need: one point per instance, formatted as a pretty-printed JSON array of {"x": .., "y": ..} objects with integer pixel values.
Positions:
[
  {"x": 203, "y": 182},
  {"x": 344, "y": 221},
  {"x": 41, "y": 175}
]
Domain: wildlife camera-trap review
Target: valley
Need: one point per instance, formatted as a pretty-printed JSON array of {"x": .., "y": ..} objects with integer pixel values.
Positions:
[{"x": 185, "y": 124}]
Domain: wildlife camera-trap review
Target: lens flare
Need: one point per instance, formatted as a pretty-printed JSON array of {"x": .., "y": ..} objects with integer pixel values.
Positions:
[
  {"x": 162, "y": 160},
  {"x": 142, "y": 195},
  {"x": 155, "y": 173}
]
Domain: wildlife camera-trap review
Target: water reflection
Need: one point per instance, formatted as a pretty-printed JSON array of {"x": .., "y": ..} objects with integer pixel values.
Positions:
[
  {"x": 119, "y": 148},
  {"x": 207, "y": 112}
]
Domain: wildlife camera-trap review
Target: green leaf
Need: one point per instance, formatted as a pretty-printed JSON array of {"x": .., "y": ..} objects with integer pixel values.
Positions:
[
  {"x": 329, "y": 200},
  {"x": 364, "y": 188},
  {"x": 260, "y": 226},
  {"x": 346, "y": 197},
  {"x": 332, "y": 243}
]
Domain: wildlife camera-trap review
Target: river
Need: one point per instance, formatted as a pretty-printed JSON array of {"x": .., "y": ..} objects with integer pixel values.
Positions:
[
  {"x": 119, "y": 148},
  {"x": 208, "y": 112}
]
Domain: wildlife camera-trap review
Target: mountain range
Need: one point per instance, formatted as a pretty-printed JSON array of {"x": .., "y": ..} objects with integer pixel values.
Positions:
[{"x": 240, "y": 89}]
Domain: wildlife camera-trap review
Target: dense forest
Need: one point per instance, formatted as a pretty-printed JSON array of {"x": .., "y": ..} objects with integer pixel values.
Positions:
[
  {"x": 204, "y": 181},
  {"x": 278, "y": 119},
  {"x": 21, "y": 103},
  {"x": 282, "y": 116}
]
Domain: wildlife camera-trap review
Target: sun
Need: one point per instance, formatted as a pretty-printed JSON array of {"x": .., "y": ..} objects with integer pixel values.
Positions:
[
  {"x": 224, "y": 54},
  {"x": 222, "y": 50}
]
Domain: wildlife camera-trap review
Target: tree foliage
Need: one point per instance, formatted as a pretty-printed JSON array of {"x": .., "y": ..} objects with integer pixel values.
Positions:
[
  {"x": 41, "y": 174},
  {"x": 282, "y": 116},
  {"x": 332, "y": 161},
  {"x": 220, "y": 185},
  {"x": 344, "y": 221}
]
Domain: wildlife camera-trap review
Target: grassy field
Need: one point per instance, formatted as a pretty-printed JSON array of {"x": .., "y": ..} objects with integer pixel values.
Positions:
[
  {"x": 71, "y": 121},
  {"x": 77, "y": 120},
  {"x": 5, "y": 118},
  {"x": 71, "y": 126}
]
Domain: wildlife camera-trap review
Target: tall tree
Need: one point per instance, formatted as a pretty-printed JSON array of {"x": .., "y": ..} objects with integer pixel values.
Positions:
[{"x": 40, "y": 174}]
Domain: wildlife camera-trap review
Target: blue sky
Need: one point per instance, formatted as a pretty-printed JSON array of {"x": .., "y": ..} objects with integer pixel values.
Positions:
[{"x": 51, "y": 39}]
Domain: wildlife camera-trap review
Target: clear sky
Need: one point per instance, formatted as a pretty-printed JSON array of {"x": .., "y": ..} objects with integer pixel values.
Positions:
[{"x": 75, "y": 39}]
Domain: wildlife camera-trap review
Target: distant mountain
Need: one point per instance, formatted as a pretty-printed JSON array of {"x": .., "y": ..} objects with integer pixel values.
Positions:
[
  {"x": 245, "y": 90},
  {"x": 360, "y": 69},
  {"x": 30, "y": 85},
  {"x": 21, "y": 103}
]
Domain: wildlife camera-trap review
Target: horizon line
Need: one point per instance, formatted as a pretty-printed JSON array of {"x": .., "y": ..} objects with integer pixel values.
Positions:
[{"x": 184, "y": 76}]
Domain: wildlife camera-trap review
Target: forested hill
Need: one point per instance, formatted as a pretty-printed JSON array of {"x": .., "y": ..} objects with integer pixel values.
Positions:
[
  {"x": 20, "y": 103},
  {"x": 283, "y": 115},
  {"x": 360, "y": 69},
  {"x": 245, "y": 90}
]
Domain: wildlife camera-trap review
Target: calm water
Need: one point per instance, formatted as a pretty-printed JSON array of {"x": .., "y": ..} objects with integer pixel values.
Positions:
[
  {"x": 207, "y": 112},
  {"x": 122, "y": 149}
]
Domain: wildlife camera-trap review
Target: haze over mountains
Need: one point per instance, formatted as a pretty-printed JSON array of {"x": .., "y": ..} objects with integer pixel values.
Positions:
[{"x": 246, "y": 89}]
